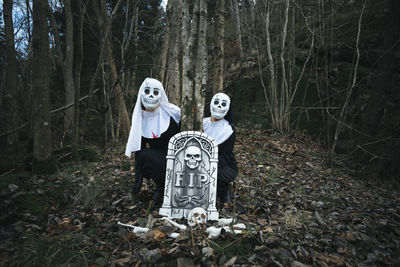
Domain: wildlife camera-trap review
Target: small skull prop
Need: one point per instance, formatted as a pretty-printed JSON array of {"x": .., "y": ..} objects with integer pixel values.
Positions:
[
  {"x": 193, "y": 157},
  {"x": 197, "y": 216},
  {"x": 219, "y": 106},
  {"x": 151, "y": 96}
]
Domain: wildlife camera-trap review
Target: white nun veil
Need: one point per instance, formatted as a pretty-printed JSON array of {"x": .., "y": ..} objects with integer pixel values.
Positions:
[
  {"x": 166, "y": 109},
  {"x": 220, "y": 130}
]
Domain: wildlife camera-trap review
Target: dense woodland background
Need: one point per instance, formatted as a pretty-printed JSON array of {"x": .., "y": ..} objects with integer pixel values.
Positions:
[
  {"x": 70, "y": 72},
  {"x": 315, "y": 93}
]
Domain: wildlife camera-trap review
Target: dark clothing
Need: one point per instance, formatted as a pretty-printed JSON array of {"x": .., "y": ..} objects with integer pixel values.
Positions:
[
  {"x": 227, "y": 166},
  {"x": 150, "y": 161}
]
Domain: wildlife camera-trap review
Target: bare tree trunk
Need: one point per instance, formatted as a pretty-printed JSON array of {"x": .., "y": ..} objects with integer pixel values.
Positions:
[
  {"x": 218, "y": 73},
  {"x": 165, "y": 45},
  {"x": 130, "y": 26},
  {"x": 117, "y": 94},
  {"x": 65, "y": 60},
  {"x": 349, "y": 92},
  {"x": 68, "y": 66},
  {"x": 79, "y": 55},
  {"x": 284, "y": 117},
  {"x": 41, "y": 130},
  {"x": 252, "y": 17},
  {"x": 172, "y": 84},
  {"x": 108, "y": 115},
  {"x": 11, "y": 84},
  {"x": 133, "y": 92},
  {"x": 128, "y": 76},
  {"x": 115, "y": 82},
  {"x": 104, "y": 23},
  {"x": 236, "y": 21},
  {"x": 271, "y": 67},
  {"x": 188, "y": 32},
  {"x": 104, "y": 28},
  {"x": 201, "y": 68}
]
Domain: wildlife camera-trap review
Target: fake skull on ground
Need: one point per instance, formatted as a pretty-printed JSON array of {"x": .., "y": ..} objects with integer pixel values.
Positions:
[
  {"x": 219, "y": 106},
  {"x": 192, "y": 157},
  {"x": 197, "y": 216},
  {"x": 151, "y": 97}
]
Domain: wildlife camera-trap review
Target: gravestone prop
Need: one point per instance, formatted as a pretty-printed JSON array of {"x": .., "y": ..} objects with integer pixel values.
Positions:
[{"x": 191, "y": 175}]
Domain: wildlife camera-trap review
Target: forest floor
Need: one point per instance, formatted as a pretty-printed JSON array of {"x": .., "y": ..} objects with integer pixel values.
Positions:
[{"x": 297, "y": 210}]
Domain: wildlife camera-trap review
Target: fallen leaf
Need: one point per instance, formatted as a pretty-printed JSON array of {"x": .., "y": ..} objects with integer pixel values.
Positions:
[
  {"x": 230, "y": 262},
  {"x": 158, "y": 235}
]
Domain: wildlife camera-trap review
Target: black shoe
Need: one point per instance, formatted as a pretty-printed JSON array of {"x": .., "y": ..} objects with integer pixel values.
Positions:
[{"x": 137, "y": 185}]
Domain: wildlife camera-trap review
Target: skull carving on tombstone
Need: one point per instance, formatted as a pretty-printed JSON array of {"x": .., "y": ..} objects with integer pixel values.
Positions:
[
  {"x": 151, "y": 97},
  {"x": 219, "y": 105},
  {"x": 192, "y": 157},
  {"x": 197, "y": 216}
]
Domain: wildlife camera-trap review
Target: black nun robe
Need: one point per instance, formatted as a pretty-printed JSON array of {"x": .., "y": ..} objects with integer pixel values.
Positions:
[
  {"x": 223, "y": 132},
  {"x": 149, "y": 137}
]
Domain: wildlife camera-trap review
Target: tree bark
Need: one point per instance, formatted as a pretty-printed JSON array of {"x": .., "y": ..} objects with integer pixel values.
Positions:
[
  {"x": 118, "y": 95},
  {"x": 172, "y": 84},
  {"x": 284, "y": 118},
  {"x": 201, "y": 68},
  {"x": 41, "y": 131},
  {"x": 12, "y": 75},
  {"x": 343, "y": 111},
  {"x": 271, "y": 66},
  {"x": 68, "y": 66},
  {"x": 130, "y": 27},
  {"x": 165, "y": 45},
  {"x": 188, "y": 34},
  {"x": 236, "y": 21},
  {"x": 77, "y": 79},
  {"x": 65, "y": 59},
  {"x": 219, "y": 35}
]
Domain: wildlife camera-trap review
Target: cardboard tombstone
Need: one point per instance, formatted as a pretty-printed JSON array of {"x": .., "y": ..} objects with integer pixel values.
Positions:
[{"x": 191, "y": 175}]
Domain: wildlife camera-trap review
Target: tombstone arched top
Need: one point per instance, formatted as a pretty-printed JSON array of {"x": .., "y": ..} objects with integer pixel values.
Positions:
[{"x": 179, "y": 141}]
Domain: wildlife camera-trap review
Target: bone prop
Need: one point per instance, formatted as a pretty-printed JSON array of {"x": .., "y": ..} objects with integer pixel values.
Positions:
[
  {"x": 180, "y": 226},
  {"x": 174, "y": 235},
  {"x": 214, "y": 232},
  {"x": 136, "y": 229},
  {"x": 222, "y": 222}
]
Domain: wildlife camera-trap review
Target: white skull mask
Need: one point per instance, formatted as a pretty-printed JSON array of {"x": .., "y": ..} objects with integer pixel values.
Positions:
[
  {"x": 192, "y": 157},
  {"x": 197, "y": 216},
  {"x": 150, "y": 97},
  {"x": 219, "y": 105}
]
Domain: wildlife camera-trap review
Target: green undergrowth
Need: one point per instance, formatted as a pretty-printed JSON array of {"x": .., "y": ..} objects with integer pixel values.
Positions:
[
  {"x": 85, "y": 153},
  {"x": 47, "y": 251},
  {"x": 18, "y": 179},
  {"x": 33, "y": 203},
  {"x": 47, "y": 166},
  {"x": 231, "y": 246},
  {"x": 265, "y": 157}
]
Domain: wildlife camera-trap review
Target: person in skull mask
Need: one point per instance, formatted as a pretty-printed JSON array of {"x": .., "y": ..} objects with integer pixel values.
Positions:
[
  {"x": 220, "y": 127},
  {"x": 154, "y": 122}
]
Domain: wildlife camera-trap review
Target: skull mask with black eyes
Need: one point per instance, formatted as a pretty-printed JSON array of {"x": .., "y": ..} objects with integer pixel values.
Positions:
[
  {"x": 219, "y": 105},
  {"x": 151, "y": 97}
]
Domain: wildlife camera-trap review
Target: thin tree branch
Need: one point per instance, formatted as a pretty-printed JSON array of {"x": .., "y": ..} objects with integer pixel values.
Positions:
[
  {"x": 51, "y": 113},
  {"x": 342, "y": 113}
]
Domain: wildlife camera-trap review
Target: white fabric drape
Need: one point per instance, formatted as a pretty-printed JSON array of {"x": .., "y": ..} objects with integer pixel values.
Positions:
[{"x": 219, "y": 130}]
